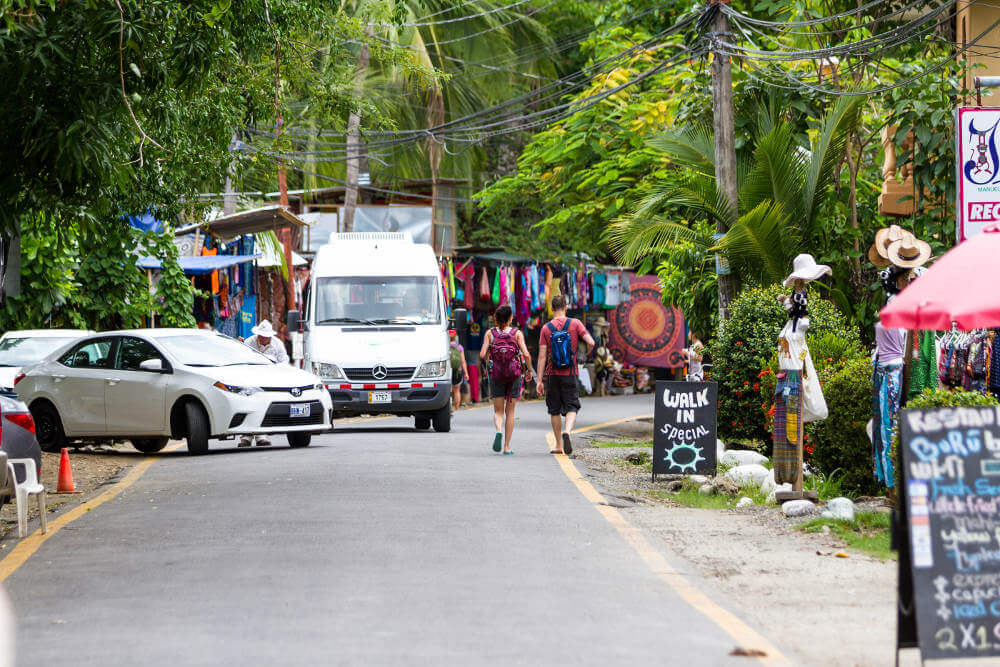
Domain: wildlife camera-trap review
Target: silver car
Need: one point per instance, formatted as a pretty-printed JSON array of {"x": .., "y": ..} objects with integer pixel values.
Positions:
[{"x": 17, "y": 436}]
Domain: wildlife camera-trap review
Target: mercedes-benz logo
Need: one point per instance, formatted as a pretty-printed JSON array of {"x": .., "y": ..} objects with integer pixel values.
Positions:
[
  {"x": 296, "y": 391},
  {"x": 380, "y": 372}
]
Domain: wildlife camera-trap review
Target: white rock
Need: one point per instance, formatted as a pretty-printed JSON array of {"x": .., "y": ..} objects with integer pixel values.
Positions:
[
  {"x": 698, "y": 479},
  {"x": 706, "y": 489},
  {"x": 841, "y": 508},
  {"x": 772, "y": 494},
  {"x": 798, "y": 508},
  {"x": 742, "y": 457},
  {"x": 768, "y": 484},
  {"x": 720, "y": 449},
  {"x": 743, "y": 475},
  {"x": 744, "y": 502}
]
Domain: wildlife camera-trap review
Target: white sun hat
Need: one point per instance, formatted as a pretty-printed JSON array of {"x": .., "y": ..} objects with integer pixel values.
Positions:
[
  {"x": 804, "y": 267},
  {"x": 264, "y": 330}
]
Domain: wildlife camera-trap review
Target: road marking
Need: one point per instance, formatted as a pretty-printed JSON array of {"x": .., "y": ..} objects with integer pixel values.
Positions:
[
  {"x": 745, "y": 636},
  {"x": 29, "y": 545}
]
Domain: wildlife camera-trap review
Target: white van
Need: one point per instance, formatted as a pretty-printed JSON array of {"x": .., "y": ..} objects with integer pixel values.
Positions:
[{"x": 376, "y": 329}]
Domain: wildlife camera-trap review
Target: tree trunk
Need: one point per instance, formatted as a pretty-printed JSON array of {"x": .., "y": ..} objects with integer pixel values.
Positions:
[{"x": 354, "y": 151}]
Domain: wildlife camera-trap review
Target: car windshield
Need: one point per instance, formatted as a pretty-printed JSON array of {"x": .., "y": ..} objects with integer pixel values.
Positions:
[
  {"x": 377, "y": 300},
  {"x": 209, "y": 350},
  {"x": 26, "y": 351}
]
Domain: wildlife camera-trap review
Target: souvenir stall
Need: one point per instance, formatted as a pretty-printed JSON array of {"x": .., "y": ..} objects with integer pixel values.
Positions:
[{"x": 479, "y": 279}]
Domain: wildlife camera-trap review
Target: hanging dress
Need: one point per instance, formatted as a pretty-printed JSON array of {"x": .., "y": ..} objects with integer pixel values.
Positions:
[
  {"x": 887, "y": 380},
  {"x": 787, "y": 434}
]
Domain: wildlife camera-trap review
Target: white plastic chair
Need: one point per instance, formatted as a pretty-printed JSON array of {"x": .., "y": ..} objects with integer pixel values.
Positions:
[{"x": 22, "y": 491}]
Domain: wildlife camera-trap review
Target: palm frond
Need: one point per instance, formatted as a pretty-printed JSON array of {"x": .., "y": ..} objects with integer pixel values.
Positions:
[
  {"x": 754, "y": 245},
  {"x": 778, "y": 172},
  {"x": 633, "y": 239},
  {"x": 828, "y": 147},
  {"x": 689, "y": 148},
  {"x": 267, "y": 241},
  {"x": 699, "y": 194}
]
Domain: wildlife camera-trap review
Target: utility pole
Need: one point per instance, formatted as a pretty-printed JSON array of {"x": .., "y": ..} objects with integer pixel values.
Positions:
[{"x": 725, "y": 140}]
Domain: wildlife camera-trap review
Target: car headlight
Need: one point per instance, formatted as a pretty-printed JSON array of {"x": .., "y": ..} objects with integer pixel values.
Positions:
[
  {"x": 233, "y": 389},
  {"x": 433, "y": 369},
  {"x": 328, "y": 371}
]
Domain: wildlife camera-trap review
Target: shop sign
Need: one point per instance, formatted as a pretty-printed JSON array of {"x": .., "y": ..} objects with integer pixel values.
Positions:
[
  {"x": 977, "y": 204},
  {"x": 684, "y": 428},
  {"x": 951, "y": 497}
]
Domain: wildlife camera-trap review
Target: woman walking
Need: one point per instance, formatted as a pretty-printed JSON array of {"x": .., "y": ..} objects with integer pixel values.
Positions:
[{"x": 507, "y": 362}]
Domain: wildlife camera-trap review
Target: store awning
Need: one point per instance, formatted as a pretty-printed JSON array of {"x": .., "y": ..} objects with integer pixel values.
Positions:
[
  {"x": 199, "y": 266},
  {"x": 255, "y": 220}
]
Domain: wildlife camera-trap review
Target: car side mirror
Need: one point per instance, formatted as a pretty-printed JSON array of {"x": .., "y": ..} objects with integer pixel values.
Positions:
[
  {"x": 294, "y": 320},
  {"x": 153, "y": 366}
]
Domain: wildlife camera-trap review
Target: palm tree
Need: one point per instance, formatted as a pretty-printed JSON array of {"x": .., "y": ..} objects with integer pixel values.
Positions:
[{"x": 781, "y": 186}]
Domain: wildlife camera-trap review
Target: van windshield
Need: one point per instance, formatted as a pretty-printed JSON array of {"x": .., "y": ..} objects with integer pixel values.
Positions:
[{"x": 377, "y": 300}]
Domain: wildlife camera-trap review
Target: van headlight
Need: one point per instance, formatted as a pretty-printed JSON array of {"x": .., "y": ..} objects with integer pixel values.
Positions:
[
  {"x": 328, "y": 371},
  {"x": 432, "y": 370}
]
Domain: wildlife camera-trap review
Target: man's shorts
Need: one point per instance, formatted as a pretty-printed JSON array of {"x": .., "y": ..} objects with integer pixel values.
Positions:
[
  {"x": 510, "y": 390},
  {"x": 562, "y": 394}
]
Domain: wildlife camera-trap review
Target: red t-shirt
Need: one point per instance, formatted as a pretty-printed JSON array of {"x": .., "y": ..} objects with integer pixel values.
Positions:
[{"x": 575, "y": 329}]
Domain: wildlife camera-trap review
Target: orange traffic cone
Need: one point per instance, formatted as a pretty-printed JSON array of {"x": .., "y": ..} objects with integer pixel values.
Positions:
[{"x": 65, "y": 474}]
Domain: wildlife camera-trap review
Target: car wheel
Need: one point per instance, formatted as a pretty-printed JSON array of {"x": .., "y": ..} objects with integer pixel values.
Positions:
[
  {"x": 299, "y": 439},
  {"x": 197, "y": 428},
  {"x": 422, "y": 423},
  {"x": 48, "y": 427},
  {"x": 150, "y": 445},
  {"x": 442, "y": 419}
]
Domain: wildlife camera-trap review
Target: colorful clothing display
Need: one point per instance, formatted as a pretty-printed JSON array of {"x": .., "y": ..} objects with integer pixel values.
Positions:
[
  {"x": 923, "y": 365},
  {"x": 788, "y": 429},
  {"x": 886, "y": 380}
]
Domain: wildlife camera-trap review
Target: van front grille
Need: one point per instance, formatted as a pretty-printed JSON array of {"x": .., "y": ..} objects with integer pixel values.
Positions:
[{"x": 394, "y": 374}]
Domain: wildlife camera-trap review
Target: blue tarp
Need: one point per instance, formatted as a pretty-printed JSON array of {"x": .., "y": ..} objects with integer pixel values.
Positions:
[
  {"x": 200, "y": 266},
  {"x": 147, "y": 222}
]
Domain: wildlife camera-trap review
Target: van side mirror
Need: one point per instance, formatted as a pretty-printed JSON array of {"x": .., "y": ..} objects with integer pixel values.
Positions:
[
  {"x": 459, "y": 320},
  {"x": 294, "y": 320}
]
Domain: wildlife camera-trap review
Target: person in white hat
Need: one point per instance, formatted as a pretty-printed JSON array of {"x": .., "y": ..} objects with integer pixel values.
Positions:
[{"x": 264, "y": 340}]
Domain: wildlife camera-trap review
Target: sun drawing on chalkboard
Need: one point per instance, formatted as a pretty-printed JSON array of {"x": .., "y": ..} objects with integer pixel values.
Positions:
[{"x": 694, "y": 455}]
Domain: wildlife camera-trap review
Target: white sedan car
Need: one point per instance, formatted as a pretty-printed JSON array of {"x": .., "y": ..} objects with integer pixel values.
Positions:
[{"x": 149, "y": 385}]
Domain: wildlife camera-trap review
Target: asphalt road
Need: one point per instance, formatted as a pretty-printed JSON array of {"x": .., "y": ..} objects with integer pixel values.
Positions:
[{"x": 376, "y": 545}]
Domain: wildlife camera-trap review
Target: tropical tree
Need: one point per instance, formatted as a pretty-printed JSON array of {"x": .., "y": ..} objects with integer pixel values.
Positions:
[{"x": 781, "y": 189}]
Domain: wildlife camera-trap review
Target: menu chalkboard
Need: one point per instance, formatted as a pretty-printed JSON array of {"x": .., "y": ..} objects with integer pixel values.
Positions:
[
  {"x": 684, "y": 427},
  {"x": 951, "y": 472}
]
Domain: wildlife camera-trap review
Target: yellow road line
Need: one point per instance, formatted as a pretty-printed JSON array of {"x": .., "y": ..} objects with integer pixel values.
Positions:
[
  {"x": 745, "y": 636},
  {"x": 29, "y": 545}
]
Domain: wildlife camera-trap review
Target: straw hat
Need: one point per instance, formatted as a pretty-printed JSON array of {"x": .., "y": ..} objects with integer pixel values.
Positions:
[
  {"x": 804, "y": 267},
  {"x": 601, "y": 322},
  {"x": 883, "y": 237},
  {"x": 264, "y": 330},
  {"x": 909, "y": 252}
]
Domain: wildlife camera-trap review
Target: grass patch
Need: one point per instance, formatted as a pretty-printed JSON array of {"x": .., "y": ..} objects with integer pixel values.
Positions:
[
  {"x": 828, "y": 486},
  {"x": 622, "y": 443},
  {"x": 869, "y": 533},
  {"x": 689, "y": 497},
  {"x": 646, "y": 464}
]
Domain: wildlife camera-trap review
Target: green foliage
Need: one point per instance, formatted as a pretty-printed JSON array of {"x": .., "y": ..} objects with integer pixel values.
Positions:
[
  {"x": 945, "y": 398},
  {"x": 689, "y": 282},
  {"x": 840, "y": 442},
  {"x": 745, "y": 343},
  {"x": 174, "y": 292},
  {"x": 868, "y": 533}
]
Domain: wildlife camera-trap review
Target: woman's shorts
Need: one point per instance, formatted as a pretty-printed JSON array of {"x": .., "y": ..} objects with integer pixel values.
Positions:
[{"x": 500, "y": 389}]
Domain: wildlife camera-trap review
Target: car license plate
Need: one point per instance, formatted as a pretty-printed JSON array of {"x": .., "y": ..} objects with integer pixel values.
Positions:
[
  {"x": 380, "y": 397},
  {"x": 298, "y": 410}
]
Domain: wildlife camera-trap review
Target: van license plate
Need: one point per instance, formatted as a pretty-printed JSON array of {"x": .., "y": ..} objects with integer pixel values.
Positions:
[
  {"x": 298, "y": 410},
  {"x": 379, "y": 397}
]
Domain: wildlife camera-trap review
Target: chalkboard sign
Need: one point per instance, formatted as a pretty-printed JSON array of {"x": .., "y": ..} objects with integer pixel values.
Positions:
[
  {"x": 951, "y": 473},
  {"x": 684, "y": 427}
]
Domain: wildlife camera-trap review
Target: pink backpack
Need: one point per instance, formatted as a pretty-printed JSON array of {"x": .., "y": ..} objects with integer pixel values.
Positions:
[{"x": 505, "y": 357}]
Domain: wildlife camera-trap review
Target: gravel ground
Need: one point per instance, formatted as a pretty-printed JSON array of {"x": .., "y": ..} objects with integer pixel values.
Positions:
[{"x": 821, "y": 609}]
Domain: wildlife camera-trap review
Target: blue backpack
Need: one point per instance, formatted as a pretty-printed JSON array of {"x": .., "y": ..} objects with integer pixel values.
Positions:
[{"x": 561, "y": 346}]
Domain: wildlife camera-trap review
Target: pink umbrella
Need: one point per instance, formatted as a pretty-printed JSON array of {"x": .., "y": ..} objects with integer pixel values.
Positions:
[{"x": 961, "y": 287}]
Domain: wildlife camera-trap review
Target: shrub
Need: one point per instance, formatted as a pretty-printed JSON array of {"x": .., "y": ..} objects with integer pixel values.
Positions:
[
  {"x": 840, "y": 444},
  {"x": 744, "y": 344}
]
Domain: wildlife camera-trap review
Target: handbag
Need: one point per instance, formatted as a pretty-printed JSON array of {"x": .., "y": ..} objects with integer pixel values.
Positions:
[{"x": 813, "y": 403}]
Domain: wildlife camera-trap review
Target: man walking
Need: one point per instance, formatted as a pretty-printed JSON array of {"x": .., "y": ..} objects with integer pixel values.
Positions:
[{"x": 557, "y": 371}]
